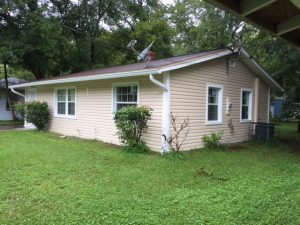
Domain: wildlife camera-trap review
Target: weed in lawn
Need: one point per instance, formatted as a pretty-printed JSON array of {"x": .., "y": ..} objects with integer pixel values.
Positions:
[{"x": 204, "y": 173}]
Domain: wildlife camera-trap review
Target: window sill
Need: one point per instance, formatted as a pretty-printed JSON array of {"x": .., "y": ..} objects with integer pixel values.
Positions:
[
  {"x": 245, "y": 121},
  {"x": 65, "y": 117},
  {"x": 211, "y": 123}
]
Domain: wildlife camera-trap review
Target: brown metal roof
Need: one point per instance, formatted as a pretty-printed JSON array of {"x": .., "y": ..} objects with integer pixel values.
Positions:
[
  {"x": 280, "y": 18},
  {"x": 155, "y": 67},
  {"x": 137, "y": 66}
]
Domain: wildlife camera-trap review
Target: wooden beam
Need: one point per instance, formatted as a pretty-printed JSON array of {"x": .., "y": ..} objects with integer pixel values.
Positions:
[
  {"x": 249, "y": 6},
  {"x": 270, "y": 29},
  {"x": 288, "y": 25},
  {"x": 296, "y": 3},
  {"x": 229, "y": 6}
]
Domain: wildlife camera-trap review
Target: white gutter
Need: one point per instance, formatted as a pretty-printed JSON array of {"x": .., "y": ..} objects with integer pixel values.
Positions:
[
  {"x": 16, "y": 92},
  {"x": 157, "y": 82},
  {"x": 86, "y": 78}
]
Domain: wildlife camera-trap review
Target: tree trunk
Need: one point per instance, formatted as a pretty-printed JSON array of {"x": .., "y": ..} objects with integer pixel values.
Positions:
[
  {"x": 298, "y": 125},
  {"x": 93, "y": 60},
  {"x": 8, "y": 94}
]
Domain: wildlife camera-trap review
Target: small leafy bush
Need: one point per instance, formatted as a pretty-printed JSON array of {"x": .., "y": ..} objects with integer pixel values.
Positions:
[
  {"x": 36, "y": 113},
  {"x": 132, "y": 124},
  {"x": 212, "y": 141},
  {"x": 20, "y": 108}
]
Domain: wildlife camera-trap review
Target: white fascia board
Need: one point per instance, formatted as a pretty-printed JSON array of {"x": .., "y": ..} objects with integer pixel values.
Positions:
[
  {"x": 196, "y": 61},
  {"x": 260, "y": 71},
  {"x": 86, "y": 78}
]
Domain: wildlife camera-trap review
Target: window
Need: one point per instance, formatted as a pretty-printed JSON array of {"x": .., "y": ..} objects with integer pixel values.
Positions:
[
  {"x": 65, "y": 102},
  {"x": 125, "y": 95},
  {"x": 214, "y": 104},
  {"x": 246, "y": 105}
]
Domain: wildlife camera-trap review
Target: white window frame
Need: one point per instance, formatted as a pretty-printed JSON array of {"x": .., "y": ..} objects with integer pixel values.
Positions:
[
  {"x": 250, "y": 106},
  {"x": 55, "y": 103},
  {"x": 220, "y": 105},
  {"x": 124, "y": 84}
]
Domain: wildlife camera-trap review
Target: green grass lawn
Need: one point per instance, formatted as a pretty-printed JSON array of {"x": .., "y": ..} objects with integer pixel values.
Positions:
[{"x": 48, "y": 180}]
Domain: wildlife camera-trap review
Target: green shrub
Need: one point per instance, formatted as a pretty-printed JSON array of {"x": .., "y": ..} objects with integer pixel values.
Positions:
[
  {"x": 132, "y": 123},
  {"x": 212, "y": 141},
  {"x": 20, "y": 108},
  {"x": 36, "y": 113}
]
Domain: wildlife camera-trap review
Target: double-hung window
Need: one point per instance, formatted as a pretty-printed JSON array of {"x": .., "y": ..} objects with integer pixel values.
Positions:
[
  {"x": 214, "y": 104},
  {"x": 125, "y": 95},
  {"x": 65, "y": 102},
  {"x": 246, "y": 105}
]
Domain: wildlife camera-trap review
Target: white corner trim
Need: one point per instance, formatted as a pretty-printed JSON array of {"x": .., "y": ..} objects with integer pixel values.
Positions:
[
  {"x": 220, "y": 105},
  {"x": 123, "y": 84},
  {"x": 166, "y": 113},
  {"x": 250, "y": 109},
  {"x": 65, "y": 116}
]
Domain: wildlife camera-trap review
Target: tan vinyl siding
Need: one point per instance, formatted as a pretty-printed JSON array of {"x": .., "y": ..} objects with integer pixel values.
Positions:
[
  {"x": 263, "y": 103},
  {"x": 188, "y": 99},
  {"x": 94, "y": 118}
]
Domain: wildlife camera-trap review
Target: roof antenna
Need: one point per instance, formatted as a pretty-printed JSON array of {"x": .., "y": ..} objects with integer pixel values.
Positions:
[
  {"x": 236, "y": 45},
  {"x": 236, "y": 38},
  {"x": 143, "y": 55},
  {"x": 131, "y": 46}
]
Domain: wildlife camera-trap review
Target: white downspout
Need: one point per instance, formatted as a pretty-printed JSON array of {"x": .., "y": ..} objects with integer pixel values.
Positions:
[
  {"x": 166, "y": 109},
  {"x": 16, "y": 92}
]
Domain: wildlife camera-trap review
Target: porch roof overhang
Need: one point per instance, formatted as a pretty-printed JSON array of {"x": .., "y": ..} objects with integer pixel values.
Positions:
[{"x": 281, "y": 18}]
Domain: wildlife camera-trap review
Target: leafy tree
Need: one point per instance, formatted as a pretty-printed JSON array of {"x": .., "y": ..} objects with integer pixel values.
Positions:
[
  {"x": 282, "y": 62},
  {"x": 200, "y": 26},
  {"x": 33, "y": 38}
]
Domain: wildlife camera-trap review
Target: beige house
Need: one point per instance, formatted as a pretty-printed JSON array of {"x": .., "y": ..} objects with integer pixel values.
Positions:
[{"x": 217, "y": 90}]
